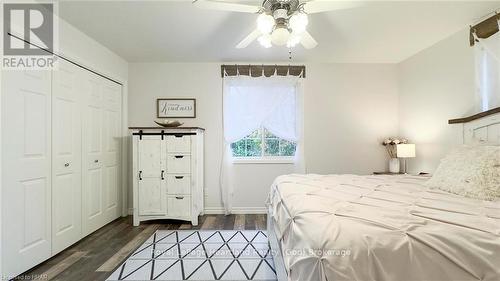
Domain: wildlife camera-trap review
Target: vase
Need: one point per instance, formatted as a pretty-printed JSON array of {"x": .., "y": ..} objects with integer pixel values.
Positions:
[{"x": 394, "y": 165}]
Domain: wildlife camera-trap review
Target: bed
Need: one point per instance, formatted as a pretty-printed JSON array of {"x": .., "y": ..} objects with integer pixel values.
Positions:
[{"x": 348, "y": 227}]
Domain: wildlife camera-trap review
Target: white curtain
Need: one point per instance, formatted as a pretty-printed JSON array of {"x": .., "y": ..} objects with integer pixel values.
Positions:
[
  {"x": 487, "y": 57},
  {"x": 252, "y": 102}
]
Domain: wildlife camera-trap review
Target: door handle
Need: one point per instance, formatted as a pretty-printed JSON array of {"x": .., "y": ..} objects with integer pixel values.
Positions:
[
  {"x": 179, "y": 177},
  {"x": 179, "y": 156},
  {"x": 179, "y": 197},
  {"x": 140, "y": 175},
  {"x": 162, "y": 172},
  {"x": 66, "y": 164}
]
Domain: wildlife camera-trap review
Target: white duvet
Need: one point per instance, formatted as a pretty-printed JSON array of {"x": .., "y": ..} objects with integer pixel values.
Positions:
[{"x": 346, "y": 227}]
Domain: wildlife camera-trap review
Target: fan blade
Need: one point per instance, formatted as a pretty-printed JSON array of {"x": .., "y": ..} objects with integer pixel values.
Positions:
[
  {"x": 249, "y": 39},
  {"x": 226, "y": 6},
  {"x": 319, "y": 6},
  {"x": 308, "y": 41}
]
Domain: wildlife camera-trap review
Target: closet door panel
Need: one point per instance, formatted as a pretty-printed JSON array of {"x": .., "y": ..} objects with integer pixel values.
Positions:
[
  {"x": 93, "y": 178},
  {"x": 26, "y": 162},
  {"x": 66, "y": 157},
  {"x": 94, "y": 194},
  {"x": 112, "y": 148}
]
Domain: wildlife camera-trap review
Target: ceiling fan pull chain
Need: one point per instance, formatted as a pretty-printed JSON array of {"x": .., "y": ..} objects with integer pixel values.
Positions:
[{"x": 290, "y": 54}]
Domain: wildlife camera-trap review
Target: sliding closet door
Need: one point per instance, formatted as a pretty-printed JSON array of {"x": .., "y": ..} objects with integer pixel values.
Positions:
[
  {"x": 101, "y": 151},
  {"x": 112, "y": 148},
  {"x": 93, "y": 168},
  {"x": 26, "y": 170},
  {"x": 66, "y": 157}
]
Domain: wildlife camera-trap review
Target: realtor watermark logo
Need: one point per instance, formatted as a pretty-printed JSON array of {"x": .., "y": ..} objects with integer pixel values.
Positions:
[{"x": 29, "y": 35}]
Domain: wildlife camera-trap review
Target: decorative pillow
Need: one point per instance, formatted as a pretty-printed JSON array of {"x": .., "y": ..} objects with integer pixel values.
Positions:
[{"x": 471, "y": 171}]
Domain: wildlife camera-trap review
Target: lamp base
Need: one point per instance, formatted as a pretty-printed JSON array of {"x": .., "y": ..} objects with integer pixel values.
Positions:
[{"x": 405, "y": 166}]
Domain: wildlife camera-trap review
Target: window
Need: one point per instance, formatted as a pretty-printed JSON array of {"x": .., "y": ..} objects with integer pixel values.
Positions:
[
  {"x": 260, "y": 119},
  {"x": 488, "y": 73},
  {"x": 262, "y": 144}
]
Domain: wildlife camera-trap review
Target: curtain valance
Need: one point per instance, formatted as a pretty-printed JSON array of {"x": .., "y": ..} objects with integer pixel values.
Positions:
[
  {"x": 263, "y": 70},
  {"x": 484, "y": 29}
]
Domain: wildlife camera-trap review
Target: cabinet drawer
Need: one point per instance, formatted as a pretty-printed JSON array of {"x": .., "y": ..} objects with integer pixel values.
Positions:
[
  {"x": 179, "y": 206},
  {"x": 178, "y": 164},
  {"x": 178, "y": 184},
  {"x": 179, "y": 143}
]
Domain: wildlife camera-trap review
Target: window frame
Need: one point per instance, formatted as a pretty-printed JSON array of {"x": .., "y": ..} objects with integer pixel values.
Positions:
[{"x": 263, "y": 159}]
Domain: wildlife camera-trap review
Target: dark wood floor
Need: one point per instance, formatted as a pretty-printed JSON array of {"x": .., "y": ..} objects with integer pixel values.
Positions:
[{"x": 96, "y": 256}]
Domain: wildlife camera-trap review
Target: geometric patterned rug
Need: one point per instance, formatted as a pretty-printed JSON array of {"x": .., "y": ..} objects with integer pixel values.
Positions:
[{"x": 200, "y": 255}]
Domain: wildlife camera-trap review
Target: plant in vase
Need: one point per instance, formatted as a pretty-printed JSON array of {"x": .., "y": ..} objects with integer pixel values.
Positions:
[{"x": 391, "y": 147}]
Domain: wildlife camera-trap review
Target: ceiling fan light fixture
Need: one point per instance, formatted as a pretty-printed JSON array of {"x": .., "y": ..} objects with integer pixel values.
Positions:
[
  {"x": 265, "y": 23},
  {"x": 293, "y": 40},
  {"x": 298, "y": 23},
  {"x": 265, "y": 41},
  {"x": 280, "y": 36}
]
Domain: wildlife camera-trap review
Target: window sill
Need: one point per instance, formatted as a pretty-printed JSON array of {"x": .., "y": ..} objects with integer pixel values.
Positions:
[{"x": 248, "y": 160}]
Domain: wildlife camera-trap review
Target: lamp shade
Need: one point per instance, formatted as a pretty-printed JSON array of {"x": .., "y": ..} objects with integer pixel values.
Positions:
[{"x": 406, "y": 151}]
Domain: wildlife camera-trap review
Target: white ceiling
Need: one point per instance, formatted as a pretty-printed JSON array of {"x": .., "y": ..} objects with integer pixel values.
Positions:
[{"x": 176, "y": 31}]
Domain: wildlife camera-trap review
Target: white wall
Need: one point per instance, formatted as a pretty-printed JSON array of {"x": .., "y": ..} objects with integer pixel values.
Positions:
[
  {"x": 435, "y": 85},
  {"x": 79, "y": 47},
  {"x": 348, "y": 110}
]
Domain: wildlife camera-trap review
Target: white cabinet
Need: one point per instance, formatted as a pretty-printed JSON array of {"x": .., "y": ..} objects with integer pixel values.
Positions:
[
  {"x": 168, "y": 174},
  {"x": 61, "y": 164}
]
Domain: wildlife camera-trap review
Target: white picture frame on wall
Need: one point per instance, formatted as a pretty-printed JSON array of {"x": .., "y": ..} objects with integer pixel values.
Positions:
[{"x": 176, "y": 108}]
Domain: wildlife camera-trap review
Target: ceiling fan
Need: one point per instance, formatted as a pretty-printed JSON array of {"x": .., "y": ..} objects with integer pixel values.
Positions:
[{"x": 280, "y": 22}]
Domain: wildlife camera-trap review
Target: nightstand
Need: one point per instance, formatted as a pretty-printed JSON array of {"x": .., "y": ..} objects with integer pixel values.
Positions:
[{"x": 422, "y": 174}]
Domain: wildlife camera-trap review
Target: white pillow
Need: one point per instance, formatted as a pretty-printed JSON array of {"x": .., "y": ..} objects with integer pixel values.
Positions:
[{"x": 471, "y": 171}]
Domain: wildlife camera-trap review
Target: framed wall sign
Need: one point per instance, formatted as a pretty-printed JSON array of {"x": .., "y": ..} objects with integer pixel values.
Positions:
[{"x": 176, "y": 108}]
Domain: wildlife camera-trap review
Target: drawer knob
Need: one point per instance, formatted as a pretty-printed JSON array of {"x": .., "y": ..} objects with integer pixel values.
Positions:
[
  {"x": 66, "y": 164},
  {"x": 179, "y": 177},
  {"x": 96, "y": 161},
  {"x": 179, "y": 197},
  {"x": 179, "y": 156}
]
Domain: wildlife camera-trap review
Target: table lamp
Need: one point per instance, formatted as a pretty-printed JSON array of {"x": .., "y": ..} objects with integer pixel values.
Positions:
[{"x": 405, "y": 151}]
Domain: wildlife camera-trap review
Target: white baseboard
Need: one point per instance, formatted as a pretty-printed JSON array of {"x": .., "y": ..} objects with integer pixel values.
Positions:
[
  {"x": 220, "y": 210},
  {"x": 236, "y": 210}
]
